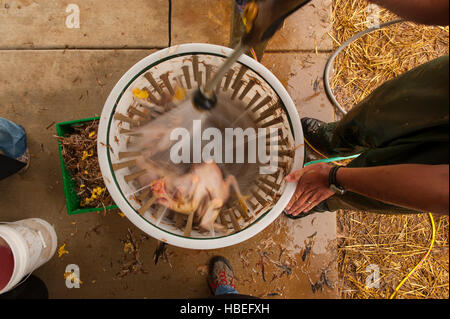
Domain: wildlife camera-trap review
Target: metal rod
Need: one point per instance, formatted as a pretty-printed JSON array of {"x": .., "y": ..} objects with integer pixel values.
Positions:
[
  {"x": 288, "y": 152},
  {"x": 124, "y": 118},
  {"x": 236, "y": 89},
  {"x": 247, "y": 89},
  {"x": 208, "y": 72},
  {"x": 128, "y": 132},
  {"x": 241, "y": 211},
  {"x": 187, "y": 230},
  {"x": 143, "y": 195},
  {"x": 264, "y": 188},
  {"x": 165, "y": 78},
  {"x": 195, "y": 67},
  {"x": 252, "y": 205},
  {"x": 151, "y": 97},
  {"x": 117, "y": 166},
  {"x": 234, "y": 221},
  {"x": 129, "y": 178},
  {"x": 284, "y": 165},
  {"x": 258, "y": 197},
  {"x": 223, "y": 221},
  {"x": 228, "y": 79},
  {"x": 267, "y": 113},
  {"x": 200, "y": 78},
  {"x": 162, "y": 210},
  {"x": 128, "y": 154},
  {"x": 187, "y": 77},
  {"x": 239, "y": 76},
  {"x": 134, "y": 111},
  {"x": 179, "y": 219},
  {"x": 238, "y": 51},
  {"x": 147, "y": 205},
  {"x": 253, "y": 101},
  {"x": 273, "y": 122},
  {"x": 274, "y": 185},
  {"x": 265, "y": 101},
  {"x": 152, "y": 81}
]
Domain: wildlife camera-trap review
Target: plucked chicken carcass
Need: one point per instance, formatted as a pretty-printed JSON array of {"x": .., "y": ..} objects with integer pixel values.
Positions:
[{"x": 202, "y": 191}]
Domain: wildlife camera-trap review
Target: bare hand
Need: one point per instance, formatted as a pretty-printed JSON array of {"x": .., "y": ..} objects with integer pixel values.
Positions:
[{"x": 312, "y": 188}]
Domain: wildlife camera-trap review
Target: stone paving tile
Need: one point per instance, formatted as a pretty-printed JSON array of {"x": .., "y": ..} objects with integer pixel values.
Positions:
[
  {"x": 61, "y": 85},
  {"x": 102, "y": 24},
  {"x": 302, "y": 76},
  {"x": 306, "y": 29},
  {"x": 201, "y": 21}
]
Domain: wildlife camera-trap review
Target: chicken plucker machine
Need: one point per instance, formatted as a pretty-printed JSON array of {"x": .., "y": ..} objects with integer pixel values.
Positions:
[{"x": 172, "y": 168}]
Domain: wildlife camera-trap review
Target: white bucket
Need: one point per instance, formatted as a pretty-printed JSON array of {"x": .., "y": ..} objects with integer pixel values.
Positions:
[{"x": 32, "y": 241}]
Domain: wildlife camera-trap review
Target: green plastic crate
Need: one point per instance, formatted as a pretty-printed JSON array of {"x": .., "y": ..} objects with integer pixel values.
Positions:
[{"x": 72, "y": 200}]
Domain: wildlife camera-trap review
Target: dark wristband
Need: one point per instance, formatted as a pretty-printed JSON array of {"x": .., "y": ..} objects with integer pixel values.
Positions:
[
  {"x": 332, "y": 176},
  {"x": 332, "y": 181}
]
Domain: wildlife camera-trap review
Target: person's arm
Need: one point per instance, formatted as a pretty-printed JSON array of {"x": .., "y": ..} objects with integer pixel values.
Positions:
[
  {"x": 415, "y": 186},
  {"x": 431, "y": 12},
  {"x": 420, "y": 187}
]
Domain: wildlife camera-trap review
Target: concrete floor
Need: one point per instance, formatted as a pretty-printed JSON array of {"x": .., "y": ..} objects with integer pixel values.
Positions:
[{"x": 50, "y": 74}]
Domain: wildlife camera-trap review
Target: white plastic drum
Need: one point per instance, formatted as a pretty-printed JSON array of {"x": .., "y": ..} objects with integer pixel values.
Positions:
[
  {"x": 25, "y": 246},
  {"x": 248, "y": 83}
]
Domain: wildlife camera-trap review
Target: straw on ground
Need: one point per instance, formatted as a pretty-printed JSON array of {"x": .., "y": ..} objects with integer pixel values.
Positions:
[{"x": 394, "y": 243}]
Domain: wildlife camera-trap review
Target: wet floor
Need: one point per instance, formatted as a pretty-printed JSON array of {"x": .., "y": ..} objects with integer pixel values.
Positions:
[{"x": 47, "y": 83}]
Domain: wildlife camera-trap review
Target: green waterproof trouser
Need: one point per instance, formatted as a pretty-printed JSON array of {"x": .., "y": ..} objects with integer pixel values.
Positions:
[{"x": 404, "y": 121}]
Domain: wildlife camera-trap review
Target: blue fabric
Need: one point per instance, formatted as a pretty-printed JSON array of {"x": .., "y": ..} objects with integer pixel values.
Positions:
[
  {"x": 240, "y": 5},
  {"x": 225, "y": 290},
  {"x": 13, "y": 139}
]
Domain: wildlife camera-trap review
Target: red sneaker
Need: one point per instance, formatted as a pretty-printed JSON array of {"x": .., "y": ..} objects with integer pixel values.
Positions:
[{"x": 220, "y": 273}]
